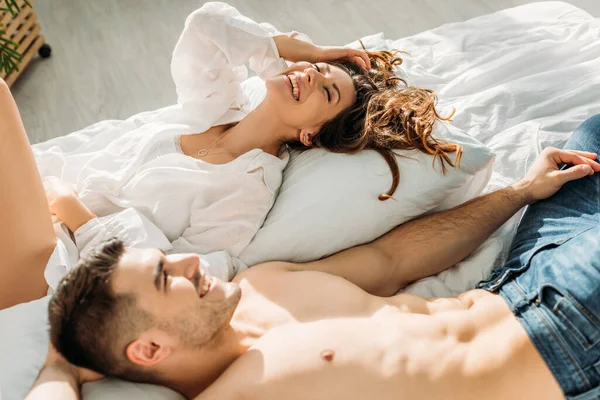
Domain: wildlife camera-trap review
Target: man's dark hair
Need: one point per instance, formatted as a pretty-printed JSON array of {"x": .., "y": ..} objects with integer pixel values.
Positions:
[{"x": 91, "y": 325}]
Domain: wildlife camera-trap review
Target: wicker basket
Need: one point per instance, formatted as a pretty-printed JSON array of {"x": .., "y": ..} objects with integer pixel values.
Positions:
[{"x": 24, "y": 30}]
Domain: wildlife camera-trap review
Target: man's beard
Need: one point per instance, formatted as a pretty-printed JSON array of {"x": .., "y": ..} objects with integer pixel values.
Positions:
[{"x": 201, "y": 326}]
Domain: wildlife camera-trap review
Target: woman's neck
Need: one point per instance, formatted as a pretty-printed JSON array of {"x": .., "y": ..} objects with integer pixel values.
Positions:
[{"x": 258, "y": 130}]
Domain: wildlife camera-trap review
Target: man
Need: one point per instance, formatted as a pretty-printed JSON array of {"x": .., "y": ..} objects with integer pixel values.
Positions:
[{"x": 308, "y": 331}]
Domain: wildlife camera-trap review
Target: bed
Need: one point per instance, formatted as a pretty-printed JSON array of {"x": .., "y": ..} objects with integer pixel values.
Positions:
[{"x": 521, "y": 79}]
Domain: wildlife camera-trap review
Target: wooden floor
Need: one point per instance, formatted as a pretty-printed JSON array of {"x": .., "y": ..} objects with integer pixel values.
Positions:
[{"x": 111, "y": 57}]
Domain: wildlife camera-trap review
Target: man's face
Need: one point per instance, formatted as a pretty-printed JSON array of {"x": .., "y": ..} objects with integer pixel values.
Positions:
[{"x": 186, "y": 304}]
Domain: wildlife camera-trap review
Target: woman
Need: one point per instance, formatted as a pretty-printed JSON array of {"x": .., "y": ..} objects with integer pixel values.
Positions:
[{"x": 210, "y": 191}]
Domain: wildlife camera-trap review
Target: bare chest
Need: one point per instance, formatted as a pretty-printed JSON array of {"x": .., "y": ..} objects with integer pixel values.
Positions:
[
  {"x": 394, "y": 355},
  {"x": 273, "y": 300}
]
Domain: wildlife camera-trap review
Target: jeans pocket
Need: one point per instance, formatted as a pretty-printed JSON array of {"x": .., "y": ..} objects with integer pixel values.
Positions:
[{"x": 583, "y": 326}]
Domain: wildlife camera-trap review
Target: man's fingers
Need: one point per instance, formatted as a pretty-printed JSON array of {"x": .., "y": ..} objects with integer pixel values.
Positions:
[
  {"x": 588, "y": 154},
  {"x": 574, "y": 173},
  {"x": 578, "y": 158},
  {"x": 87, "y": 375}
]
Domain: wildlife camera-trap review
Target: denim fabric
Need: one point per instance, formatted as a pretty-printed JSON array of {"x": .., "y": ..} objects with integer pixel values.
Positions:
[{"x": 551, "y": 280}]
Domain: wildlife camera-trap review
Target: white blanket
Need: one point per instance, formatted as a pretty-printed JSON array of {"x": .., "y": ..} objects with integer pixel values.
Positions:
[{"x": 521, "y": 79}]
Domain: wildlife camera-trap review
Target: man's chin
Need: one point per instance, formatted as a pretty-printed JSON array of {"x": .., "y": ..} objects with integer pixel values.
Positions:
[{"x": 221, "y": 291}]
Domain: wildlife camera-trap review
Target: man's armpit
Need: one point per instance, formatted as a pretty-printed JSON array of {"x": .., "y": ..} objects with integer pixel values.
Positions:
[{"x": 240, "y": 381}]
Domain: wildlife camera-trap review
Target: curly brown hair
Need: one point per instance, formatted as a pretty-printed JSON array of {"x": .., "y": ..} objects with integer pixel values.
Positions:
[{"x": 387, "y": 115}]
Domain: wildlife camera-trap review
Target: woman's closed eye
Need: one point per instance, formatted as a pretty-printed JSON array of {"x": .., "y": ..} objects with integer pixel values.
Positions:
[{"x": 327, "y": 91}]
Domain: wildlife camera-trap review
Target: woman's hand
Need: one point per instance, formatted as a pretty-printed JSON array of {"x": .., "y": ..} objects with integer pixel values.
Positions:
[
  {"x": 295, "y": 50},
  {"x": 64, "y": 203},
  {"x": 359, "y": 57}
]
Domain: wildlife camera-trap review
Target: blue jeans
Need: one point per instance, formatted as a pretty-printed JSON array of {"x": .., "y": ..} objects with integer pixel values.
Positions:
[{"x": 551, "y": 280}]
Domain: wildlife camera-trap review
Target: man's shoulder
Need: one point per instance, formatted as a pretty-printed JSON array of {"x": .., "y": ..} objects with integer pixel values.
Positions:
[{"x": 248, "y": 376}]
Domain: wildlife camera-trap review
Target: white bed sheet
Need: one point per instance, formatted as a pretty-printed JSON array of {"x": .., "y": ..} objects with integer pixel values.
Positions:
[{"x": 521, "y": 79}]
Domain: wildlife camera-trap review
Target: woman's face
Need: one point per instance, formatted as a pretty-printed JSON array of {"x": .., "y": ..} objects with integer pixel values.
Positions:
[{"x": 306, "y": 95}]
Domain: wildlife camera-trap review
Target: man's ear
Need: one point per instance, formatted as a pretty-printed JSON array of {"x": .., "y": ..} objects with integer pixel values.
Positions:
[
  {"x": 307, "y": 135},
  {"x": 150, "y": 349}
]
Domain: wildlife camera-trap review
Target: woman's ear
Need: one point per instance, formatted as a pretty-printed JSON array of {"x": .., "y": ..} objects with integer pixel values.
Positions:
[
  {"x": 148, "y": 350},
  {"x": 307, "y": 135}
]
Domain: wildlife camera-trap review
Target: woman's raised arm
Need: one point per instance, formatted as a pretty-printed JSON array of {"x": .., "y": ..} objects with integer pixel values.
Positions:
[{"x": 209, "y": 59}]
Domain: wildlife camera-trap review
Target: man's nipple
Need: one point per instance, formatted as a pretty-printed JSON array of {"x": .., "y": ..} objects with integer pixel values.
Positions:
[{"x": 327, "y": 355}]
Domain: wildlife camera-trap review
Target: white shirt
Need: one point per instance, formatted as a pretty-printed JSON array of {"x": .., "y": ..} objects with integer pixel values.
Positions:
[
  {"x": 200, "y": 207},
  {"x": 135, "y": 230}
]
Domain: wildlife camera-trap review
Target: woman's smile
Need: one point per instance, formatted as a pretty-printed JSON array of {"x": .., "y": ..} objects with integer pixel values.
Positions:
[{"x": 294, "y": 84}]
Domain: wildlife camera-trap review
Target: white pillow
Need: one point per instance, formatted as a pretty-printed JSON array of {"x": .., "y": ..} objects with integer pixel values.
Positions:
[
  {"x": 23, "y": 347},
  {"x": 328, "y": 202}
]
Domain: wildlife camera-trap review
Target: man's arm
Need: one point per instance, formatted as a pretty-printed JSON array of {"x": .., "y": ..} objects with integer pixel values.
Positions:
[
  {"x": 58, "y": 379},
  {"x": 433, "y": 243},
  {"x": 55, "y": 381}
]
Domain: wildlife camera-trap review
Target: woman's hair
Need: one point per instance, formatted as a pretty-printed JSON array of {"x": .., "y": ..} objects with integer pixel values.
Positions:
[{"x": 387, "y": 115}]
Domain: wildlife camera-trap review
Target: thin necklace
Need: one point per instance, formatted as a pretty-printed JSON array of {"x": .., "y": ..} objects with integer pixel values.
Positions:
[{"x": 204, "y": 152}]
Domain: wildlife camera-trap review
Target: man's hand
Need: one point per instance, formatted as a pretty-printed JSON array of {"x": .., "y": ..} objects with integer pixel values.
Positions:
[
  {"x": 81, "y": 375},
  {"x": 64, "y": 203},
  {"x": 58, "y": 379},
  {"x": 548, "y": 174}
]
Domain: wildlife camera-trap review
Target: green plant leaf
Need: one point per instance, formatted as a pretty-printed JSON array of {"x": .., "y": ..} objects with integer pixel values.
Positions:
[{"x": 9, "y": 58}]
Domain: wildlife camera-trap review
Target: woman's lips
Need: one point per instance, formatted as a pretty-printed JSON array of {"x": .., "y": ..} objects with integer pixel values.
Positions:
[{"x": 286, "y": 78}]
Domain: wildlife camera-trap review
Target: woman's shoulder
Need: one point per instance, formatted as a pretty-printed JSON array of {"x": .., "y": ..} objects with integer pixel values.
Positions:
[
  {"x": 268, "y": 166},
  {"x": 261, "y": 159}
]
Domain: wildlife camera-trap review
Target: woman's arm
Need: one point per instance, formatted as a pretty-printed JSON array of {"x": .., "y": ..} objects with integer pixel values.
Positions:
[
  {"x": 295, "y": 50},
  {"x": 64, "y": 203},
  {"x": 209, "y": 59},
  {"x": 128, "y": 225},
  {"x": 217, "y": 42}
]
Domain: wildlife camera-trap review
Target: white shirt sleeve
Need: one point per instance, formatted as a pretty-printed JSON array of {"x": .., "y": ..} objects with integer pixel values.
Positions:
[
  {"x": 133, "y": 228},
  {"x": 209, "y": 59},
  {"x": 221, "y": 264}
]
